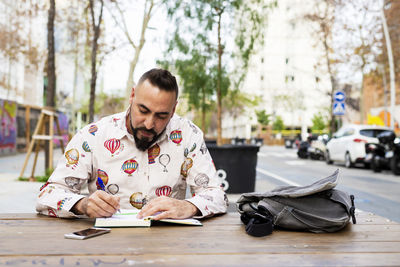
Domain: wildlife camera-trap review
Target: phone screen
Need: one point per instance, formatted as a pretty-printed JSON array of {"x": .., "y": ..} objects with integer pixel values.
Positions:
[{"x": 89, "y": 231}]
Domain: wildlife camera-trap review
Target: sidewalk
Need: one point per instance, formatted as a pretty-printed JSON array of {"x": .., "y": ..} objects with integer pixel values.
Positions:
[{"x": 17, "y": 196}]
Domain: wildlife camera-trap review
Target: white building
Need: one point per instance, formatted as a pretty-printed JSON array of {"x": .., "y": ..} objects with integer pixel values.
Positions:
[
  {"x": 286, "y": 72},
  {"x": 21, "y": 81}
]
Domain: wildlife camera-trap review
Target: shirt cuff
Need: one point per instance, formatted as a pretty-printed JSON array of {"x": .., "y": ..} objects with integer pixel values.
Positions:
[
  {"x": 70, "y": 203},
  {"x": 201, "y": 206}
]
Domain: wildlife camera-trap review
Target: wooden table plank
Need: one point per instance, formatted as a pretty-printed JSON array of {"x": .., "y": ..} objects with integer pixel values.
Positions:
[
  {"x": 30, "y": 239},
  {"x": 270, "y": 260}
]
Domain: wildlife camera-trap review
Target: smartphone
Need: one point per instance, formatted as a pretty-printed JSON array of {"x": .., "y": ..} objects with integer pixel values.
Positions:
[{"x": 87, "y": 233}]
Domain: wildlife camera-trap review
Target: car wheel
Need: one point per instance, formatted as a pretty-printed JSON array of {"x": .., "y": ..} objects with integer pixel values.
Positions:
[
  {"x": 347, "y": 160},
  {"x": 328, "y": 158},
  {"x": 395, "y": 164}
]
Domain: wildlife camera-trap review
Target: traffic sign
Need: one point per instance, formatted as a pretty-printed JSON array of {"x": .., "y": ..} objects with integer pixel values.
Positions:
[
  {"x": 338, "y": 108},
  {"x": 339, "y": 96}
]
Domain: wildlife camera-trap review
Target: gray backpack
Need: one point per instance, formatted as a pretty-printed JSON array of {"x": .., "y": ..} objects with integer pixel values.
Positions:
[{"x": 316, "y": 208}]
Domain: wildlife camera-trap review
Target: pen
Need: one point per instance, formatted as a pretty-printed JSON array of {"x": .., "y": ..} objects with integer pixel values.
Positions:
[
  {"x": 101, "y": 184},
  {"x": 103, "y": 188}
]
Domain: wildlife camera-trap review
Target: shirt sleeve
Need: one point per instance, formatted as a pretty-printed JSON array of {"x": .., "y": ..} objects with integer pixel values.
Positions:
[
  {"x": 66, "y": 184},
  {"x": 207, "y": 194}
]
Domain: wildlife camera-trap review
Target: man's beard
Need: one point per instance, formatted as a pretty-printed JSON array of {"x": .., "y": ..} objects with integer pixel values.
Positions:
[{"x": 144, "y": 144}]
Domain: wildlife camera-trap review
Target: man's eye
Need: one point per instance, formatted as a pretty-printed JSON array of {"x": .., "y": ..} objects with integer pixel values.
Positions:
[
  {"x": 143, "y": 111},
  {"x": 162, "y": 117}
]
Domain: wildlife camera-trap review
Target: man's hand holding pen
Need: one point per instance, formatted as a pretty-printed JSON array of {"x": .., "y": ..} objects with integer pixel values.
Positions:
[{"x": 98, "y": 204}]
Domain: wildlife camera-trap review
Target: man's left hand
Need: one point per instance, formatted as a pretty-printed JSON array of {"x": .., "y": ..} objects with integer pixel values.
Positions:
[{"x": 169, "y": 207}]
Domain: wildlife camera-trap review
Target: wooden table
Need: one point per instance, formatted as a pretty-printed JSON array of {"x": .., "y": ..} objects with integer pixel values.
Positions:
[{"x": 35, "y": 240}]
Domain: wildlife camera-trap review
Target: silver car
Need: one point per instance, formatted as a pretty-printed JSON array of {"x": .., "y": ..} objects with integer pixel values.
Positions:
[{"x": 348, "y": 144}]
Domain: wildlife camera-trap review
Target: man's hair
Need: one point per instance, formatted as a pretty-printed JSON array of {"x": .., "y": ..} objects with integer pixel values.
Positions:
[{"x": 161, "y": 78}]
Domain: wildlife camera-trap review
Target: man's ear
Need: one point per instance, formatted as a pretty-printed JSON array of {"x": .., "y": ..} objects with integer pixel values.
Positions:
[{"x": 132, "y": 95}]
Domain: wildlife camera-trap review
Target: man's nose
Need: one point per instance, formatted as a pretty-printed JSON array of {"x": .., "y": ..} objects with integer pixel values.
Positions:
[{"x": 149, "y": 122}]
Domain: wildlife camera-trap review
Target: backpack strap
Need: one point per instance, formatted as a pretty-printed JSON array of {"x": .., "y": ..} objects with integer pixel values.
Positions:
[
  {"x": 352, "y": 210},
  {"x": 257, "y": 223}
]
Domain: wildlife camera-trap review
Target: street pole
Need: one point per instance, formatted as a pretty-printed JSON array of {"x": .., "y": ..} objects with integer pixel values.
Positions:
[
  {"x": 391, "y": 68},
  {"x": 382, "y": 71}
]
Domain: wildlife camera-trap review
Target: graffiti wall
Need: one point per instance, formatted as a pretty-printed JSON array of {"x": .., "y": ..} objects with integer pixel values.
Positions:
[{"x": 8, "y": 127}]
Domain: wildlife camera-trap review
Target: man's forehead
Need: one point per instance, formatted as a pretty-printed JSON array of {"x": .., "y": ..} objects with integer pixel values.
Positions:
[
  {"x": 155, "y": 100},
  {"x": 147, "y": 85}
]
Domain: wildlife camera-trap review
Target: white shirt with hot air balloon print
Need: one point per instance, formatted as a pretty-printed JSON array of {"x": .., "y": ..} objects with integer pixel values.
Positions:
[{"x": 105, "y": 152}]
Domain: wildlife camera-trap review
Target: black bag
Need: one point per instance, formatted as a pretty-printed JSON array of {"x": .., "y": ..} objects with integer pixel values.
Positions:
[{"x": 316, "y": 208}]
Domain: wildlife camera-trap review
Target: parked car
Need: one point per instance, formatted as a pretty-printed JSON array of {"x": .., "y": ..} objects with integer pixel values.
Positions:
[{"x": 348, "y": 144}]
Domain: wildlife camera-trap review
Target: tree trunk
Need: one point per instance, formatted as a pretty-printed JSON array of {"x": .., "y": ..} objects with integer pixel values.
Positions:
[
  {"x": 132, "y": 67},
  {"x": 332, "y": 125},
  {"x": 96, "y": 35},
  {"x": 51, "y": 72},
  {"x": 219, "y": 93},
  {"x": 138, "y": 49},
  {"x": 93, "y": 78}
]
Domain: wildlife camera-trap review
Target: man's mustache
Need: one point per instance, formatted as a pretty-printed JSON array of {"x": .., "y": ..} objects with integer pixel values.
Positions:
[{"x": 146, "y": 130}]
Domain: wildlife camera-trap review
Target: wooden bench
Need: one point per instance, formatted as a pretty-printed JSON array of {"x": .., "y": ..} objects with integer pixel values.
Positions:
[{"x": 31, "y": 239}]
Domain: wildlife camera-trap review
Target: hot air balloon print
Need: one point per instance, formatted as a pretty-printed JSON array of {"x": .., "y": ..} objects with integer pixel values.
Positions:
[
  {"x": 130, "y": 166},
  {"x": 176, "y": 136},
  {"x": 112, "y": 145},
  {"x": 164, "y": 160},
  {"x": 85, "y": 147},
  {"x": 51, "y": 212},
  {"x": 203, "y": 148},
  {"x": 72, "y": 181},
  {"x": 164, "y": 191},
  {"x": 136, "y": 200},
  {"x": 186, "y": 165},
  {"x": 72, "y": 156},
  {"x": 60, "y": 204},
  {"x": 153, "y": 153},
  {"x": 113, "y": 189},
  {"x": 193, "y": 147},
  {"x": 103, "y": 176},
  {"x": 202, "y": 180},
  {"x": 93, "y": 129}
]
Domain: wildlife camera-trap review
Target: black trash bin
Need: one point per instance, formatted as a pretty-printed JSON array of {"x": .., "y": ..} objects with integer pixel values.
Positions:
[{"x": 237, "y": 164}]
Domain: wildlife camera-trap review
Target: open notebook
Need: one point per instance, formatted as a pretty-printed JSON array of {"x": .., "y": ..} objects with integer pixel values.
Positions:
[{"x": 128, "y": 218}]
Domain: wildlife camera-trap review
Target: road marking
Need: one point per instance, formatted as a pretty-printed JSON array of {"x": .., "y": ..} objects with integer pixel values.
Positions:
[
  {"x": 277, "y": 154},
  {"x": 295, "y": 162},
  {"x": 280, "y": 178}
]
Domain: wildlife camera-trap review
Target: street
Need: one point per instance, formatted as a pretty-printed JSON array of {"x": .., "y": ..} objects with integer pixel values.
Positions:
[
  {"x": 378, "y": 193},
  {"x": 374, "y": 192}
]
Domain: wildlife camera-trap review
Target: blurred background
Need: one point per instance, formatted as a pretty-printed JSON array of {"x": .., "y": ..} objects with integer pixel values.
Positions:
[
  {"x": 270, "y": 70},
  {"x": 321, "y": 76}
]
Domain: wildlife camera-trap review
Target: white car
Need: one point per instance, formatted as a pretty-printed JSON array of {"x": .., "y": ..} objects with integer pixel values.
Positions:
[{"x": 348, "y": 144}]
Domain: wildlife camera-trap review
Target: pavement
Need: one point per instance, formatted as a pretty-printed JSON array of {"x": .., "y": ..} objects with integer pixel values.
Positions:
[{"x": 20, "y": 197}]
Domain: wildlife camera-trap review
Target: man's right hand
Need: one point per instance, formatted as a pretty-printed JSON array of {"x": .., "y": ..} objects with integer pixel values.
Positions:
[{"x": 98, "y": 204}]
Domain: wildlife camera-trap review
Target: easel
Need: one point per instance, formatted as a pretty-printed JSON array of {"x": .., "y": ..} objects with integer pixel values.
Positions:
[{"x": 47, "y": 117}]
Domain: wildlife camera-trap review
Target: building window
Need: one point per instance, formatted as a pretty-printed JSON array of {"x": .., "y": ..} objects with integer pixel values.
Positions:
[
  {"x": 317, "y": 79},
  {"x": 262, "y": 60},
  {"x": 287, "y": 60},
  {"x": 262, "y": 77}
]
